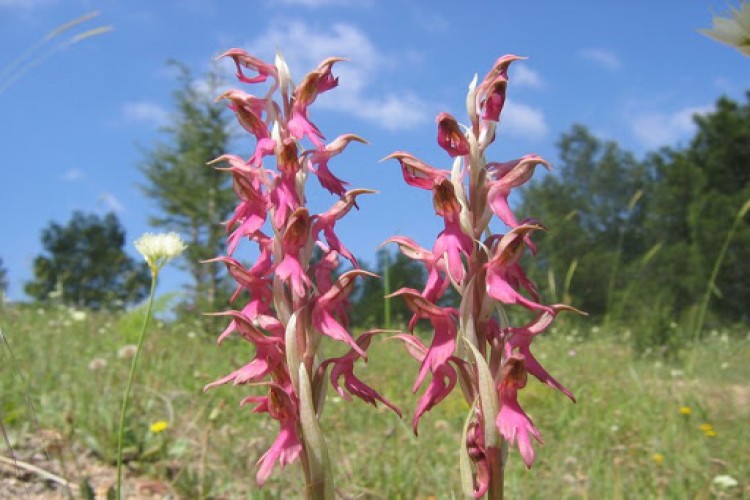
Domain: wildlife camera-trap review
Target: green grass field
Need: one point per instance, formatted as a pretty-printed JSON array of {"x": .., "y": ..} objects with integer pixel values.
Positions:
[{"x": 642, "y": 428}]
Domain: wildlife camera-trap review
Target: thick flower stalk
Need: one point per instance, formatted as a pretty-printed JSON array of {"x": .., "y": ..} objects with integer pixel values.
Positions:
[
  {"x": 286, "y": 300},
  {"x": 473, "y": 346}
]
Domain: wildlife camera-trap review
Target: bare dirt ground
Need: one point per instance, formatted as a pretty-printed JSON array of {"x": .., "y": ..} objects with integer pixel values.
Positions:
[{"x": 44, "y": 466}]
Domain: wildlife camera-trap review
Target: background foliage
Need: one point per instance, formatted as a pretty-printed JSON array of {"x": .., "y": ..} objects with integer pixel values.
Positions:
[
  {"x": 85, "y": 265},
  {"x": 639, "y": 238},
  {"x": 193, "y": 198}
]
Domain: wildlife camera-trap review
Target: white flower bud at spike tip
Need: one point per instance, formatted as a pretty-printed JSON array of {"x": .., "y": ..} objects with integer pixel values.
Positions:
[
  {"x": 285, "y": 77},
  {"x": 158, "y": 249},
  {"x": 276, "y": 136},
  {"x": 471, "y": 101}
]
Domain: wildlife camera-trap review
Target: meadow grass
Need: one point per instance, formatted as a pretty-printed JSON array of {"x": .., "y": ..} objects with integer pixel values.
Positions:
[{"x": 626, "y": 437}]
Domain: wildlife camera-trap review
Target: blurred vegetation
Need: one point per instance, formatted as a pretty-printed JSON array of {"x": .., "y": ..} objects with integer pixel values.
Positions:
[
  {"x": 85, "y": 265},
  {"x": 642, "y": 237},
  {"x": 193, "y": 198},
  {"x": 628, "y": 436},
  {"x": 3, "y": 282}
]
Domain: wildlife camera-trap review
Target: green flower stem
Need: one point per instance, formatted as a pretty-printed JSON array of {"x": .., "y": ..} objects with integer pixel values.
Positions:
[
  {"x": 710, "y": 287},
  {"x": 128, "y": 387}
]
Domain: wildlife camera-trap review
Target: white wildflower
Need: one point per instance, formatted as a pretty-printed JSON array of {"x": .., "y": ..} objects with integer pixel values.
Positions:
[
  {"x": 127, "y": 351},
  {"x": 77, "y": 315},
  {"x": 734, "y": 31},
  {"x": 725, "y": 481},
  {"x": 158, "y": 249},
  {"x": 97, "y": 364}
]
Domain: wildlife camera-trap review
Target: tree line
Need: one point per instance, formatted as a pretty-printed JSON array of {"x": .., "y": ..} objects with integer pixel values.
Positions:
[{"x": 638, "y": 241}]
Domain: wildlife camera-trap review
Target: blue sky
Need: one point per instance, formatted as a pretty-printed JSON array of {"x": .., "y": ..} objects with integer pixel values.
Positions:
[{"x": 73, "y": 128}]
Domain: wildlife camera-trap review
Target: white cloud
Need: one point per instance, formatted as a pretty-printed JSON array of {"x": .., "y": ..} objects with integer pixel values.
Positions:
[
  {"x": 304, "y": 47},
  {"x": 657, "y": 129},
  {"x": 110, "y": 201},
  {"x": 73, "y": 175},
  {"x": 522, "y": 75},
  {"x": 145, "y": 112},
  {"x": 392, "y": 112},
  {"x": 520, "y": 120},
  {"x": 603, "y": 57}
]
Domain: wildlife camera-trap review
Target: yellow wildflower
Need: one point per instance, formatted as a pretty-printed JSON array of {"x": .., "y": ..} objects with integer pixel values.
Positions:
[
  {"x": 159, "y": 426},
  {"x": 711, "y": 433},
  {"x": 706, "y": 428},
  {"x": 685, "y": 410},
  {"x": 658, "y": 458}
]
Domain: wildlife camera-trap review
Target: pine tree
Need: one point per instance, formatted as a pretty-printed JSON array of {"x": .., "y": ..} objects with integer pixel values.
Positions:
[{"x": 193, "y": 199}]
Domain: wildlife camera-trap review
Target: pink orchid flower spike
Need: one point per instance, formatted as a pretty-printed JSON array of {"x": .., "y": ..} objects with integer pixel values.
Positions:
[
  {"x": 291, "y": 293},
  {"x": 468, "y": 346}
]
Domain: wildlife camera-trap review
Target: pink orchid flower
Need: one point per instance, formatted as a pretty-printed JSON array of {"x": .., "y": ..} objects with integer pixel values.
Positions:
[
  {"x": 324, "y": 310},
  {"x": 314, "y": 84},
  {"x": 326, "y": 222},
  {"x": 443, "y": 381},
  {"x": 505, "y": 177},
  {"x": 287, "y": 446},
  {"x": 450, "y": 137},
  {"x": 514, "y": 424},
  {"x": 504, "y": 274},
  {"x": 452, "y": 243},
  {"x": 416, "y": 172},
  {"x": 491, "y": 92},
  {"x": 320, "y": 158},
  {"x": 437, "y": 282},
  {"x": 293, "y": 240},
  {"x": 344, "y": 367},
  {"x": 243, "y": 59}
]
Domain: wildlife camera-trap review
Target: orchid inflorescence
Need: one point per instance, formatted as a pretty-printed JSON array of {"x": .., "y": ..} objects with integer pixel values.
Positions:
[
  {"x": 473, "y": 345},
  {"x": 292, "y": 299}
]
